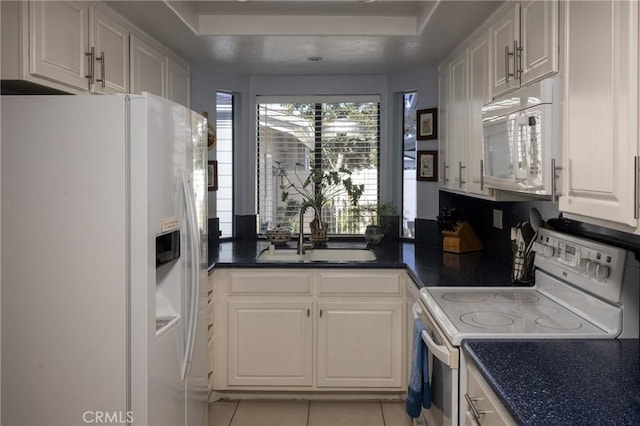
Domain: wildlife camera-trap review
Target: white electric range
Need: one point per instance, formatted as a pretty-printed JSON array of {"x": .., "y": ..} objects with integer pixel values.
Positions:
[{"x": 583, "y": 289}]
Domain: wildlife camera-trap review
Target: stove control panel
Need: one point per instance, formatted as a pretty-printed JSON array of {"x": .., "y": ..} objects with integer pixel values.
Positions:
[{"x": 587, "y": 264}]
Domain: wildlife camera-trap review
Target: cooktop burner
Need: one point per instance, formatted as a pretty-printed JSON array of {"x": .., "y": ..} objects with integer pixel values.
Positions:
[
  {"x": 483, "y": 319},
  {"x": 565, "y": 324}
]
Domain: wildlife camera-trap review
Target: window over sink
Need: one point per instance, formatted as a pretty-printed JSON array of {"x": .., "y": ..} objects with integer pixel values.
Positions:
[{"x": 300, "y": 136}]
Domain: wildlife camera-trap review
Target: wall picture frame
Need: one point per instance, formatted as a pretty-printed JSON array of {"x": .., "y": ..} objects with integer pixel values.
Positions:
[
  {"x": 212, "y": 175},
  {"x": 427, "y": 124},
  {"x": 427, "y": 166}
]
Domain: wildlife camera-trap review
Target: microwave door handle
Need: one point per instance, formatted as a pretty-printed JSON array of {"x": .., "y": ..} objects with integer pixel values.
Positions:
[{"x": 519, "y": 151}]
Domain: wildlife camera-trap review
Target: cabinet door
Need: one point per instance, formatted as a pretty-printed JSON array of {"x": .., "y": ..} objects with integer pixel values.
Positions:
[
  {"x": 486, "y": 404},
  {"x": 360, "y": 344},
  {"x": 443, "y": 125},
  {"x": 110, "y": 40},
  {"x": 479, "y": 95},
  {"x": 58, "y": 38},
  {"x": 179, "y": 83},
  {"x": 270, "y": 343},
  {"x": 148, "y": 69},
  {"x": 539, "y": 41},
  {"x": 457, "y": 141},
  {"x": 505, "y": 30},
  {"x": 601, "y": 110}
]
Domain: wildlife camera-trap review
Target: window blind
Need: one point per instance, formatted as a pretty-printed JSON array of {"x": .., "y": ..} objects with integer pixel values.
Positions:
[{"x": 299, "y": 138}]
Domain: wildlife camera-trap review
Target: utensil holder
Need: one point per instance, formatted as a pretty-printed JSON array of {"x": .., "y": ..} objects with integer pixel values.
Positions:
[{"x": 522, "y": 272}]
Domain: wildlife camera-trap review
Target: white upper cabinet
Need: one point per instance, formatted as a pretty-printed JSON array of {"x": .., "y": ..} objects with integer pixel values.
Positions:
[
  {"x": 110, "y": 41},
  {"x": 464, "y": 89},
  {"x": 59, "y": 41},
  {"x": 538, "y": 39},
  {"x": 479, "y": 94},
  {"x": 505, "y": 34},
  {"x": 79, "y": 45},
  {"x": 524, "y": 44},
  {"x": 148, "y": 70},
  {"x": 600, "y": 182},
  {"x": 84, "y": 47},
  {"x": 458, "y": 109},
  {"x": 156, "y": 71},
  {"x": 178, "y": 82}
]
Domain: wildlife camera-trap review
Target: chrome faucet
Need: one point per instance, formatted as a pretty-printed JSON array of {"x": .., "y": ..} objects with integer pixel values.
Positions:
[{"x": 303, "y": 208}]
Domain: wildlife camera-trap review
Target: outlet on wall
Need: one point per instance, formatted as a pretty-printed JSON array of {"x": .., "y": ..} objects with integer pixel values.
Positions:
[{"x": 497, "y": 218}]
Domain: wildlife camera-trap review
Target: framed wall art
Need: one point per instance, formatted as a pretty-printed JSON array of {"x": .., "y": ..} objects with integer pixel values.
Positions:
[
  {"x": 427, "y": 124},
  {"x": 427, "y": 166}
]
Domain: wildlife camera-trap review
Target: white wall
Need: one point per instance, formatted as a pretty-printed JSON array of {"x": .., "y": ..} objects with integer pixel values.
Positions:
[
  {"x": 204, "y": 85},
  {"x": 425, "y": 82}
]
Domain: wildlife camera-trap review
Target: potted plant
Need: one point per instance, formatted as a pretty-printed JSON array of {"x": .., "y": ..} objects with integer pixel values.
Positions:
[
  {"x": 381, "y": 217},
  {"x": 320, "y": 187}
]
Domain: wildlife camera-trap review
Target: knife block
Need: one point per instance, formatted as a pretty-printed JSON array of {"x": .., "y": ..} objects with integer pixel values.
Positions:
[{"x": 461, "y": 240}]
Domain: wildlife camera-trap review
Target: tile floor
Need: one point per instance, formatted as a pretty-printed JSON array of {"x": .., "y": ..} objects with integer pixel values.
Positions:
[{"x": 308, "y": 413}]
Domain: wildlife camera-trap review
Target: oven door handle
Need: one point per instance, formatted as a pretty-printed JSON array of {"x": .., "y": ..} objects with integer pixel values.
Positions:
[{"x": 439, "y": 351}]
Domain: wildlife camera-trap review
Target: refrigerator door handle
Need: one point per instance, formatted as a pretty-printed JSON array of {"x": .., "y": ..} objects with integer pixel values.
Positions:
[{"x": 193, "y": 283}]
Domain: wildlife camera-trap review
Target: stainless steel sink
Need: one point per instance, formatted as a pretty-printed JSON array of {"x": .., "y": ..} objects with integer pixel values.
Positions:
[{"x": 317, "y": 255}]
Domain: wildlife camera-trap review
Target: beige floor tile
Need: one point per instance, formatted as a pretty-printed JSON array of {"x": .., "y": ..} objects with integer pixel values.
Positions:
[
  {"x": 271, "y": 413},
  {"x": 221, "y": 412},
  {"x": 345, "y": 413},
  {"x": 395, "y": 414}
]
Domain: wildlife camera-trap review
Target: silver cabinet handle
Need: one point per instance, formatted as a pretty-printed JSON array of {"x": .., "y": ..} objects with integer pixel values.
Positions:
[
  {"x": 636, "y": 186},
  {"x": 554, "y": 181},
  {"x": 102, "y": 69},
  {"x": 445, "y": 173},
  {"x": 460, "y": 181},
  {"x": 506, "y": 63},
  {"x": 476, "y": 413},
  {"x": 517, "y": 56},
  {"x": 91, "y": 54},
  {"x": 481, "y": 175}
]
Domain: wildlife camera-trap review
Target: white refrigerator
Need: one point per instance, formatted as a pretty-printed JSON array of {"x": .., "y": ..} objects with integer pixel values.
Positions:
[{"x": 103, "y": 261}]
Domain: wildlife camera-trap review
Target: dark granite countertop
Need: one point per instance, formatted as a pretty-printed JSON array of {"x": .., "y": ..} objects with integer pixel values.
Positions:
[
  {"x": 563, "y": 382},
  {"x": 428, "y": 266}
]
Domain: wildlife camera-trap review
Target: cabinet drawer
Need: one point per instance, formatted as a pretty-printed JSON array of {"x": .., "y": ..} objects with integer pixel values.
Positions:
[
  {"x": 489, "y": 409},
  {"x": 374, "y": 283},
  {"x": 277, "y": 282}
]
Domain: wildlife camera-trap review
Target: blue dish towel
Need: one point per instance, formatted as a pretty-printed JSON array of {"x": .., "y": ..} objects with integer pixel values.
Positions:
[{"x": 419, "y": 393}]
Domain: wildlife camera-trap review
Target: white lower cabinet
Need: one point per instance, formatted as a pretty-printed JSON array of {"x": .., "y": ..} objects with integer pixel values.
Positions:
[
  {"x": 270, "y": 343},
  {"x": 360, "y": 344},
  {"x": 479, "y": 404},
  {"x": 308, "y": 329}
]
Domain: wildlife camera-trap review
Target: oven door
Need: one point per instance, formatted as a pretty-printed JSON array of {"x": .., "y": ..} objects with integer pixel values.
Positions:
[{"x": 443, "y": 372}]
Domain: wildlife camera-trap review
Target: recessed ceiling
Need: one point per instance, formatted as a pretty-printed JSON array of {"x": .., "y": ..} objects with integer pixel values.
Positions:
[{"x": 278, "y": 37}]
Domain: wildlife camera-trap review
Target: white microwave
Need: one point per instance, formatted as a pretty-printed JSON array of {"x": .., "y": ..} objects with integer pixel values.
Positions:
[{"x": 521, "y": 140}]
